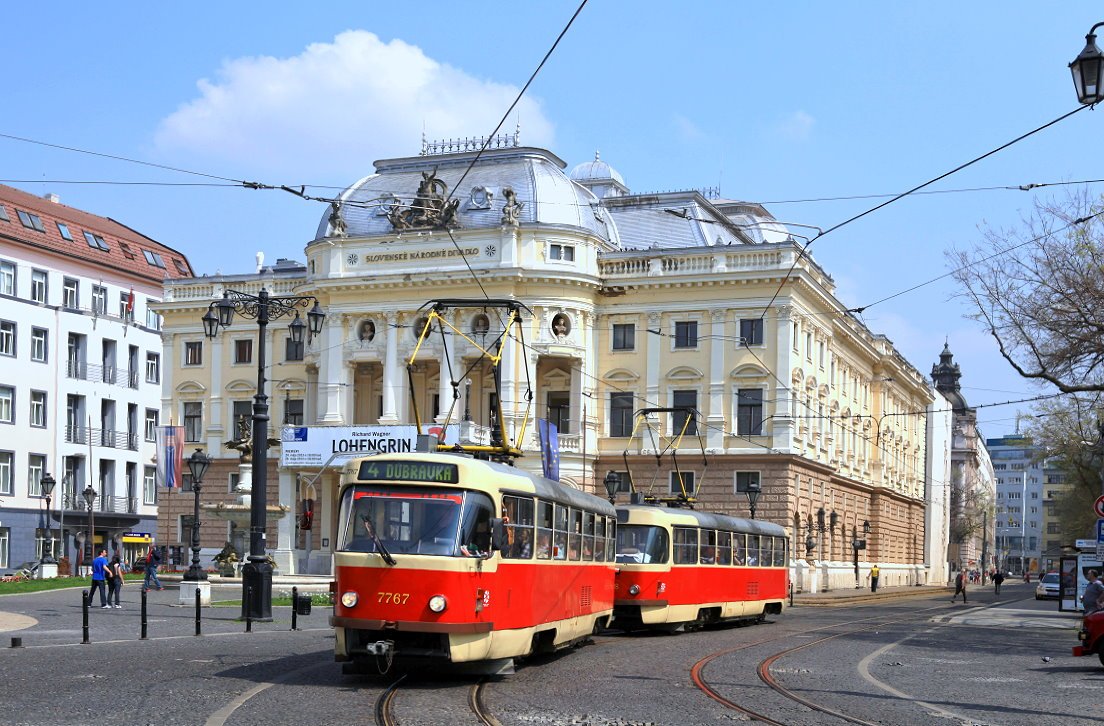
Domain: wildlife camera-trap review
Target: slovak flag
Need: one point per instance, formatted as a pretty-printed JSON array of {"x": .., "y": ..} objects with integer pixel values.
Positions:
[{"x": 170, "y": 455}]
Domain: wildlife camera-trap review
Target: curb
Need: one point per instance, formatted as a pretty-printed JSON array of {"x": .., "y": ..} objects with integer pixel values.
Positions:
[{"x": 818, "y": 599}]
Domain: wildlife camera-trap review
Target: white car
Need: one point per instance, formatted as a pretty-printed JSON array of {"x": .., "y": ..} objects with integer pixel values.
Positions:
[{"x": 1047, "y": 587}]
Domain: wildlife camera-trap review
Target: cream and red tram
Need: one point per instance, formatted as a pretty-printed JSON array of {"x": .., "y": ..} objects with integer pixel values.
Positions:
[
  {"x": 681, "y": 567},
  {"x": 449, "y": 558}
]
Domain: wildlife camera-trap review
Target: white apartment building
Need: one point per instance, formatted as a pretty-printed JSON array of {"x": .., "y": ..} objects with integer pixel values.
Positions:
[
  {"x": 1019, "y": 503},
  {"x": 80, "y": 378}
]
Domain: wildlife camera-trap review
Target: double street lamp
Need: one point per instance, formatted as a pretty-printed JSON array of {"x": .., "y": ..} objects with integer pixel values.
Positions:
[
  {"x": 257, "y": 572},
  {"x": 858, "y": 544},
  {"x": 197, "y": 466},
  {"x": 47, "y": 484}
]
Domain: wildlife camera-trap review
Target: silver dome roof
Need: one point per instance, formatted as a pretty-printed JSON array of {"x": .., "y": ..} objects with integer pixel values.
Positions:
[{"x": 596, "y": 170}]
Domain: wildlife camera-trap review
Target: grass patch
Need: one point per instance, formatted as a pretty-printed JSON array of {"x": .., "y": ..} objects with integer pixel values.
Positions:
[
  {"x": 321, "y": 599},
  {"x": 52, "y": 583}
]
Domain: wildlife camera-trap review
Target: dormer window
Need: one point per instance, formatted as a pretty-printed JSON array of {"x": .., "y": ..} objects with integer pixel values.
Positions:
[
  {"x": 30, "y": 221},
  {"x": 95, "y": 241}
]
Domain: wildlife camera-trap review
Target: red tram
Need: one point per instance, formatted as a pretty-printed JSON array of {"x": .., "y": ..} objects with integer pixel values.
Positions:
[
  {"x": 681, "y": 568},
  {"x": 442, "y": 557}
]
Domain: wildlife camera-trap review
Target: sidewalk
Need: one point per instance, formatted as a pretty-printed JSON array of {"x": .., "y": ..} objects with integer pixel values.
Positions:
[{"x": 847, "y": 596}]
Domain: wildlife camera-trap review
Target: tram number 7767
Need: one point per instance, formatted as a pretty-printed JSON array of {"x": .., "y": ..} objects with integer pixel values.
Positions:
[{"x": 393, "y": 598}]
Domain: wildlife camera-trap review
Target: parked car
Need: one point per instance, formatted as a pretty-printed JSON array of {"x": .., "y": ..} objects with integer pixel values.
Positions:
[{"x": 1047, "y": 587}]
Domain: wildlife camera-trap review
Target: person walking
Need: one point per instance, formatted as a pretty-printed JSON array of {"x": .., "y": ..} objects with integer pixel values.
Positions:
[
  {"x": 1093, "y": 597},
  {"x": 153, "y": 561},
  {"x": 998, "y": 578},
  {"x": 116, "y": 581},
  {"x": 875, "y": 573},
  {"x": 960, "y": 586},
  {"x": 99, "y": 579}
]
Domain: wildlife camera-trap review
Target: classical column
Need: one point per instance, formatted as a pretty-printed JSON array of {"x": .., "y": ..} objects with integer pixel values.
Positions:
[
  {"x": 330, "y": 374},
  {"x": 655, "y": 350},
  {"x": 718, "y": 345},
  {"x": 391, "y": 372},
  {"x": 508, "y": 390},
  {"x": 782, "y": 423},
  {"x": 215, "y": 431},
  {"x": 285, "y": 523}
]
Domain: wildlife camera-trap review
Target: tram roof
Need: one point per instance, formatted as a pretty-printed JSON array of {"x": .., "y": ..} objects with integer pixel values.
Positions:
[{"x": 707, "y": 520}]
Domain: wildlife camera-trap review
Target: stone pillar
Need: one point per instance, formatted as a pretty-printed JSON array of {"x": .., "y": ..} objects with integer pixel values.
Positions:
[
  {"x": 215, "y": 431},
  {"x": 651, "y": 375},
  {"x": 391, "y": 371},
  {"x": 715, "y": 416},
  {"x": 332, "y": 363},
  {"x": 782, "y": 425},
  {"x": 508, "y": 390},
  {"x": 285, "y": 525}
]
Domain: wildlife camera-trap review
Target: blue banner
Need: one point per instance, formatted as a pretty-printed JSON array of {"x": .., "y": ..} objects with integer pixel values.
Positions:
[{"x": 550, "y": 448}]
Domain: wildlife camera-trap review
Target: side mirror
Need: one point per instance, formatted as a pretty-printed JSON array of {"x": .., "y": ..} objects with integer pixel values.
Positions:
[{"x": 498, "y": 534}]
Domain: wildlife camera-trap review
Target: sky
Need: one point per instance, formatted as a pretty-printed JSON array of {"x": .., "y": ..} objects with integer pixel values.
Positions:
[{"x": 772, "y": 102}]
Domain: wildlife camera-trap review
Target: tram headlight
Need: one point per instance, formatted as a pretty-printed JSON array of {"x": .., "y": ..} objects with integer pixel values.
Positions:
[
  {"x": 634, "y": 589},
  {"x": 437, "y": 603},
  {"x": 349, "y": 599}
]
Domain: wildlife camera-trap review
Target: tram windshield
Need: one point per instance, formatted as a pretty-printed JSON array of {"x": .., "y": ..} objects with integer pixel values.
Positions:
[
  {"x": 642, "y": 544},
  {"x": 416, "y": 520}
]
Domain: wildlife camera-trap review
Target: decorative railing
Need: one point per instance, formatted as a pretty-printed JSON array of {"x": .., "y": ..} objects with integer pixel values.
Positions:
[
  {"x": 178, "y": 290},
  {"x": 102, "y": 437},
  {"x": 456, "y": 146},
  {"x": 110, "y": 504},
  {"x": 108, "y": 374},
  {"x": 708, "y": 260}
]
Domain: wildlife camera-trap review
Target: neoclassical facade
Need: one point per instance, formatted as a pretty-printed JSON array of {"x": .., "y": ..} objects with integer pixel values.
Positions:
[{"x": 631, "y": 302}]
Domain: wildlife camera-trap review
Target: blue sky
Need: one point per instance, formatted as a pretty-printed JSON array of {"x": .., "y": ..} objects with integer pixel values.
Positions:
[{"x": 771, "y": 101}]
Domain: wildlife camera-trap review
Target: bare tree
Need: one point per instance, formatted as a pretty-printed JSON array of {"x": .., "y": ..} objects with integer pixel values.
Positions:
[{"x": 1039, "y": 291}]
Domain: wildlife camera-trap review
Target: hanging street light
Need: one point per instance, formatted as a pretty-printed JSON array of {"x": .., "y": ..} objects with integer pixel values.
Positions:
[
  {"x": 612, "y": 481},
  {"x": 1087, "y": 69}
]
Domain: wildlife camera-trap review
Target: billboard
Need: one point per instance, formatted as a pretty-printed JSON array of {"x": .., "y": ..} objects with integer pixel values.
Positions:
[{"x": 316, "y": 445}]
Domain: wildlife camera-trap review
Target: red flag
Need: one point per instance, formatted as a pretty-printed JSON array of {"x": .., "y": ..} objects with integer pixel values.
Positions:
[{"x": 130, "y": 302}]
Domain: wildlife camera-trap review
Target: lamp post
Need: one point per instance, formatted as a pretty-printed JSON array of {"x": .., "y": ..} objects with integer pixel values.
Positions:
[
  {"x": 197, "y": 466},
  {"x": 257, "y": 573},
  {"x": 754, "y": 489},
  {"x": 47, "y": 484},
  {"x": 1087, "y": 69},
  {"x": 823, "y": 554},
  {"x": 467, "y": 400},
  {"x": 89, "y": 495},
  {"x": 611, "y": 481}
]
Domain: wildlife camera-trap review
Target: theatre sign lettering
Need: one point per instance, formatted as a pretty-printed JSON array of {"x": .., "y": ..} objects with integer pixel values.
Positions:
[{"x": 436, "y": 253}]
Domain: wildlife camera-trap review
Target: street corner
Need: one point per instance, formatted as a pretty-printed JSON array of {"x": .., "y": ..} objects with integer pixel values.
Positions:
[{"x": 10, "y": 622}]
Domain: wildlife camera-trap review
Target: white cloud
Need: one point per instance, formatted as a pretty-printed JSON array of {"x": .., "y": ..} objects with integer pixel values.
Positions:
[
  {"x": 798, "y": 126},
  {"x": 687, "y": 129},
  {"x": 336, "y": 107}
]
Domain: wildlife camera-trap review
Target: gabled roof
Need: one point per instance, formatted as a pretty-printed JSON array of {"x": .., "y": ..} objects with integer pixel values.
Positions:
[{"x": 126, "y": 248}]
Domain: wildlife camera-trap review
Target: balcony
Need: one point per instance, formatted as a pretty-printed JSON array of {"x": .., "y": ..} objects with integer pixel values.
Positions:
[
  {"x": 110, "y": 438},
  {"x": 107, "y": 374},
  {"x": 111, "y": 505}
]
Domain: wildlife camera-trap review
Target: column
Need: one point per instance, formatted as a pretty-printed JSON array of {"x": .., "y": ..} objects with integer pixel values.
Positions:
[
  {"x": 331, "y": 362},
  {"x": 391, "y": 373},
  {"x": 508, "y": 390},
  {"x": 715, "y": 418},
  {"x": 285, "y": 524},
  {"x": 651, "y": 375},
  {"x": 782, "y": 423},
  {"x": 214, "y": 430}
]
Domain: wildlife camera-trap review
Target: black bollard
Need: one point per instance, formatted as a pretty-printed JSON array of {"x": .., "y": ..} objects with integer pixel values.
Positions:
[
  {"x": 17, "y": 642},
  {"x": 248, "y": 609},
  {"x": 198, "y": 626},
  {"x": 84, "y": 607},
  {"x": 294, "y": 608},
  {"x": 791, "y": 594},
  {"x": 144, "y": 613}
]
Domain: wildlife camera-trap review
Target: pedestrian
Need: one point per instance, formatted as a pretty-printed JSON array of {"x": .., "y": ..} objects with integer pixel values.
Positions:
[
  {"x": 99, "y": 579},
  {"x": 153, "y": 560},
  {"x": 116, "y": 581},
  {"x": 960, "y": 586},
  {"x": 1027, "y": 576},
  {"x": 873, "y": 575},
  {"x": 998, "y": 578},
  {"x": 1093, "y": 597}
]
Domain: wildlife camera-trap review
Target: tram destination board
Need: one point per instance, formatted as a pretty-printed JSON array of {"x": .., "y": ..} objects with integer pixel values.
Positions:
[{"x": 430, "y": 471}]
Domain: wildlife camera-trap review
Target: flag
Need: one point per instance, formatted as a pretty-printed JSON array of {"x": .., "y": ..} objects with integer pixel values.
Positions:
[
  {"x": 170, "y": 455},
  {"x": 130, "y": 304},
  {"x": 550, "y": 448}
]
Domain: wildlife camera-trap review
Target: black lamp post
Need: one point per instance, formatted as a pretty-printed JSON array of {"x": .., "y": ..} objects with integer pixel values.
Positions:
[
  {"x": 47, "y": 550},
  {"x": 754, "y": 488},
  {"x": 197, "y": 466},
  {"x": 1087, "y": 69},
  {"x": 823, "y": 554},
  {"x": 611, "y": 482},
  {"x": 257, "y": 573},
  {"x": 810, "y": 541},
  {"x": 89, "y": 495},
  {"x": 467, "y": 400}
]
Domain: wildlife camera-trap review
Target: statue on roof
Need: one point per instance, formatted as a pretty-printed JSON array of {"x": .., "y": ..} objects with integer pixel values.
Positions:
[
  {"x": 512, "y": 208},
  {"x": 338, "y": 228},
  {"x": 430, "y": 208}
]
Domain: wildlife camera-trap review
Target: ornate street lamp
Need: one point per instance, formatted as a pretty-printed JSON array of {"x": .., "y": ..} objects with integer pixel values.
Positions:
[
  {"x": 611, "y": 482},
  {"x": 257, "y": 572},
  {"x": 1088, "y": 69},
  {"x": 197, "y": 466},
  {"x": 47, "y": 484},
  {"x": 89, "y": 495},
  {"x": 754, "y": 488}
]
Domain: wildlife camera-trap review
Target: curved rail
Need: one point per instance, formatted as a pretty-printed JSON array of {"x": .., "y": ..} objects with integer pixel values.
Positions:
[{"x": 385, "y": 717}]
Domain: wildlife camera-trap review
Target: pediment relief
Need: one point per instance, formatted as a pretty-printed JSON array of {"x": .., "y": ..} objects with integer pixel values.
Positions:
[
  {"x": 557, "y": 377},
  {"x": 684, "y": 373},
  {"x": 241, "y": 386},
  {"x": 750, "y": 370},
  {"x": 621, "y": 374},
  {"x": 191, "y": 388}
]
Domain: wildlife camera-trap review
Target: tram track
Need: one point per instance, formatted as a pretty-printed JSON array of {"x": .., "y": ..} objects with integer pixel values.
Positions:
[{"x": 385, "y": 704}]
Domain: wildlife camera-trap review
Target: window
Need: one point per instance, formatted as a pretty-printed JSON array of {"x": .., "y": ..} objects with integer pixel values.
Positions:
[
  {"x": 7, "y": 278},
  {"x": 687, "y": 482},
  {"x": 127, "y": 252},
  {"x": 623, "y": 481},
  {"x": 63, "y": 230},
  {"x": 747, "y": 481},
  {"x": 243, "y": 351},
  {"x": 518, "y": 512},
  {"x": 564, "y": 253},
  {"x": 621, "y": 411},
  {"x": 7, "y": 458},
  {"x": 152, "y": 415},
  {"x": 154, "y": 259},
  {"x": 686, "y": 334},
  {"x": 181, "y": 267},
  {"x": 559, "y": 410},
  {"x": 1052, "y": 528},
  {"x": 624, "y": 336},
  {"x": 193, "y": 421},
  {"x": 149, "y": 485},
  {"x": 36, "y": 469},
  {"x": 686, "y": 546},
  {"x": 193, "y": 353},
  {"x": 751, "y": 331},
  {"x": 30, "y": 220},
  {"x": 153, "y": 320},
  {"x": 241, "y": 410},
  {"x": 38, "y": 409},
  {"x": 7, "y": 337},
  {"x": 153, "y": 368},
  {"x": 5, "y": 542},
  {"x": 4, "y": 214},
  {"x": 293, "y": 350},
  {"x": 96, "y": 242},
  {"x": 40, "y": 345},
  {"x": 749, "y": 412},
  {"x": 39, "y": 285},
  {"x": 684, "y": 399},
  {"x": 71, "y": 294},
  {"x": 126, "y": 307},
  {"x": 99, "y": 300},
  {"x": 293, "y": 413}
]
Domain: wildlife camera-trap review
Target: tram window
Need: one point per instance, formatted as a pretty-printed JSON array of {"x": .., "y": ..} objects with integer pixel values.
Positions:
[
  {"x": 779, "y": 551},
  {"x": 753, "y": 550},
  {"x": 643, "y": 544},
  {"x": 475, "y": 525},
  {"x": 724, "y": 548},
  {"x": 519, "y": 528},
  {"x": 559, "y": 534},
  {"x": 575, "y": 536},
  {"x": 766, "y": 551},
  {"x": 739, "y": 549},
  {"x": 588, "y": 537},
  {"x": 708, "y": 547},
  {"x": 407, "y": 520},
  {"x": 611, "y": 541},
  {"x": 599, "y": 538},
  {"x": 686, "y": 546},
  {"x": 544, "y": 530}
]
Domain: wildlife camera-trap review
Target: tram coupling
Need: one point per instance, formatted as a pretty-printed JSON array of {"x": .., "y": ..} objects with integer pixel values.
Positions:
[{"x": 380, "y": 647}]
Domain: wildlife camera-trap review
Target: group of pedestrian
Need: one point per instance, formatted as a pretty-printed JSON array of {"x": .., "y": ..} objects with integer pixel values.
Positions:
[{"x": 107, "y": 577}]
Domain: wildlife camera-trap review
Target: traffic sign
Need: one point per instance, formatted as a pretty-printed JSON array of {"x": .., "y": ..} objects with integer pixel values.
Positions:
[{"x": 1098, "y": 506}]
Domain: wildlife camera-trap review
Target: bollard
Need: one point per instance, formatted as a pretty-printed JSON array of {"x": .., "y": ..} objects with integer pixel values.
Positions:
[
  {"x": 198, "y": 626},
  {"x": 144, "y": 621},
  {"x": 84, "y": 607},
  {"x": 249, "y": 609},
  {"x": 17, "y": 642},
  {"x": 791, "y": 594},
  {"x": 294, "y": 608}
]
